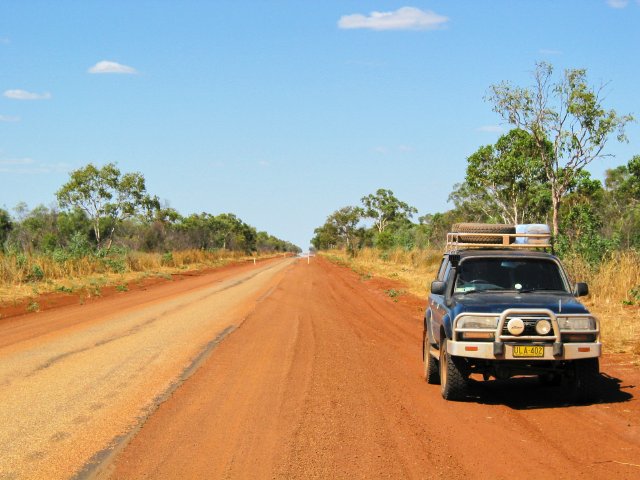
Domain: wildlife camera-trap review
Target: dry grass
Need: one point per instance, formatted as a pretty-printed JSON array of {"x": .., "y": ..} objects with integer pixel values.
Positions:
[
  {"x": 414, "y": 269},
  {"x": 610, "y": 286},
  {"x": 24, "y": 276}
]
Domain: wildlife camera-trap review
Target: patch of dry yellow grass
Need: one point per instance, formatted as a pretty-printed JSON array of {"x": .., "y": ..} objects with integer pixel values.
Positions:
[
  {"x": 25, "y": 276},
  {"x": 609, "y": 288},
  {"x": 414, "y": 269},
  {"x": 609, "y": 285}
]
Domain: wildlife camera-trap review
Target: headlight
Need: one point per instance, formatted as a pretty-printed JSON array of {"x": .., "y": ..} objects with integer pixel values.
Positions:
[
  {"x": 577, "y": 323},
  {"x": 476, "y": 321},
  {"x": 543, "y": 327}
]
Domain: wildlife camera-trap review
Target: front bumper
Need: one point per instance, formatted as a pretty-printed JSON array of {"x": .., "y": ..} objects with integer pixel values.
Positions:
[{"x": 486, "y": 350}]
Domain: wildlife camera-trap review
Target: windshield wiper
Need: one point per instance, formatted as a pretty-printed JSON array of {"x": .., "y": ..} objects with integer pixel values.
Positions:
[{"x": 530, "y": 290}]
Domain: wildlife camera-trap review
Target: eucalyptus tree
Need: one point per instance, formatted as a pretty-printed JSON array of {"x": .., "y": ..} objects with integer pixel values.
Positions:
[
  {"x": 384, "y": 208},
  {"x": 505, "y": 181},
  {"x": 569, "y": 114},
  {"x": 107, "y": 197}
]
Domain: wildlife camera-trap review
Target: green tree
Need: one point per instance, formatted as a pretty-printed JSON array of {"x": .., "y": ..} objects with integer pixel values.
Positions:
[
  {"x": 340, "y": 230},
  {"x": 346, "y": 222},
  {"x": 506, "y": 181},
  {"x": 622, "y": 203},
  {"x": 568, "y": 113},
  {"x": 582, "y": 221},
  {"x": 384, "y": 208},
  {"x": 6, "y": 225},
  {"x": 325, "y": 237},
  {"x": 35, "y": 230},
  {"x": 106, "y": 196}
]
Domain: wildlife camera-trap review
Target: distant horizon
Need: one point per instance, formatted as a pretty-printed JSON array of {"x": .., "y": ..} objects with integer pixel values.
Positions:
[{"x": 282, "y": 115}]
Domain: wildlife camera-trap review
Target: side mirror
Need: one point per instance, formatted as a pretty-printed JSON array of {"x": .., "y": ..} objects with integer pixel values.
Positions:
[
  {"x": 581, "y": 289},
  {"x": 438, "y": 288}
]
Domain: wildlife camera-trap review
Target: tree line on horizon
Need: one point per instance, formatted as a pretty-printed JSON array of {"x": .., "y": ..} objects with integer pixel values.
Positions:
[
  {"x": 101, "y": 207},
  {"x": 535, "y": 173}
]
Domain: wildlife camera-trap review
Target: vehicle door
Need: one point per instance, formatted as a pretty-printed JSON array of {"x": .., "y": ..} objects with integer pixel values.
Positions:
[{"x": 437, "y": 308}]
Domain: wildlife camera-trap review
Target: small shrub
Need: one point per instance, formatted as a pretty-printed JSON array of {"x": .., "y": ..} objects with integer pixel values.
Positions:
[
  {"x": 167, "y": 259},
  {"x": 122, "y": 288},
  {"x": 59, "y": 255},
  {"x": 393, "y": 293},
  {"x": 33, "y": 307},
  {"x": 36, "y": 274},
  {"x": 634, "y": 296},
  {"x": 79, "y": 245},
  {"x": 21, "y": 260}
]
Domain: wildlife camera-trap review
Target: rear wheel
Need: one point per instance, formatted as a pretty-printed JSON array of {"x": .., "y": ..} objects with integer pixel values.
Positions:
[
  {"x": 431, "y": 373},
  {"x": 587, "y": 376},
  {"x": 453, "y": 379}
]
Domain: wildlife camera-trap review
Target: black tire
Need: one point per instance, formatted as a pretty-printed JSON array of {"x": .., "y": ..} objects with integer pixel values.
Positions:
[
  {"x": 453, "y": 380},
  {"x": 482, "y": 228},
  {"x": 431, "y": 372},
  {"x": 586, "y": 379}
]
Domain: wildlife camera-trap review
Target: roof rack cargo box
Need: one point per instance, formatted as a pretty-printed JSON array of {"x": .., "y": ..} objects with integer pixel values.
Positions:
[{"x": 533, "y": 229}]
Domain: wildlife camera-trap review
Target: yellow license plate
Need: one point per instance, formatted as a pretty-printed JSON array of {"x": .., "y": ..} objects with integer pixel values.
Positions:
[{"x": 530, "y": 351}]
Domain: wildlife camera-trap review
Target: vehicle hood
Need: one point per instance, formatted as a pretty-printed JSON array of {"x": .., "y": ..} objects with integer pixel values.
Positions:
[{"x": 494, "y": 302}]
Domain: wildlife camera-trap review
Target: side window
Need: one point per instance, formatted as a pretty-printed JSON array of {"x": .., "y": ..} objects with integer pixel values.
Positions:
[
  {"x": 447, "y": 272},
  {"x": 443, "y": 270}
]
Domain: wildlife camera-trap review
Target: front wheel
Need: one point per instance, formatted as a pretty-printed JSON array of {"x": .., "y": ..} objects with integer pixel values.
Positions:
[
  {"x": 453, "y": 379},
  {"x": 587, "y": 376}
]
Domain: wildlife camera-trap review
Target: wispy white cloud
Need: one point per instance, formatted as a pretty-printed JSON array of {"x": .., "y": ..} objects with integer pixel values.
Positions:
[
  {"x": 618, "y": 3},
  {"x": 9, "y": 118},
  {"x": 16, "y": 161},
  {"x": 264, "y": 163},
  {"x": 28, "y": 166},
  {"x": 549, "y": 51},
  {"x": 18, "y": 94},
  {"x": 107, "y": 66},
  {"x": 491, "y": 129},
  {"x": 405, "y": 18},
  {"x": 5, "y": 41}
]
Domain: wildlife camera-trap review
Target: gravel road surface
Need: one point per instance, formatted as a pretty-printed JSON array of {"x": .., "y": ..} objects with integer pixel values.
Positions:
[{"x": 75, "y": 381}]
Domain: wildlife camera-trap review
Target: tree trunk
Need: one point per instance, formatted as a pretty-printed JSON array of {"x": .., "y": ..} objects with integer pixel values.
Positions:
[
  {"x": 555, "y": 201},
  {"x": 110, "y": 238},
  {"x": 96, "y": 231}
]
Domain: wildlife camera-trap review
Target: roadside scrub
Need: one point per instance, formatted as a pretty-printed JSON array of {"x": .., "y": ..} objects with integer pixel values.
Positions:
[
  {"x": 613, "y": 285},
  {"x": 25, "y": 276}
]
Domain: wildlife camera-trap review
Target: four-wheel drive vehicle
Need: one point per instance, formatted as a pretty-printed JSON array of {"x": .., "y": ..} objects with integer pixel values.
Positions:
[{"x": 500, "y": 308}]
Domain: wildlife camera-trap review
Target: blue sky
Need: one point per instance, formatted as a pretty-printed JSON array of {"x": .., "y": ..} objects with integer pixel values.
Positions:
[{"x": 284, "y": 111}]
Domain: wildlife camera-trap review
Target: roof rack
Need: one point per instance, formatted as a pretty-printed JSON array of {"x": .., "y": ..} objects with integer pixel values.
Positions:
[{"x": 457, "y": 241}]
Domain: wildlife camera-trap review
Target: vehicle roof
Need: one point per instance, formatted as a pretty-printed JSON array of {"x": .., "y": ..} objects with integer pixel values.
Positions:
[{"x": 503, "y": 253}]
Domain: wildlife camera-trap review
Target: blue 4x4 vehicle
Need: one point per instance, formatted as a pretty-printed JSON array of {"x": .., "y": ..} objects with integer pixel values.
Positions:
[{"x": 504, "y": 309}]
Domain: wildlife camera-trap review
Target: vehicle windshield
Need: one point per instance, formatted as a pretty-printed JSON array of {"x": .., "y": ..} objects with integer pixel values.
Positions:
[{"x": 524, "y": 275}]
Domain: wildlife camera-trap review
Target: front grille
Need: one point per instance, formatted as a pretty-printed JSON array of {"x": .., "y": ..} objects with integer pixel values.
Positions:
[{"x": 529, "y": 326}]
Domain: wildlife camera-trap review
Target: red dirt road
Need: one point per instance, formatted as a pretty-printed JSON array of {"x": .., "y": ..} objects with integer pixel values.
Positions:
[
  {"x": 323, "y": 380},
  {"x": 305, "y": 371}
]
